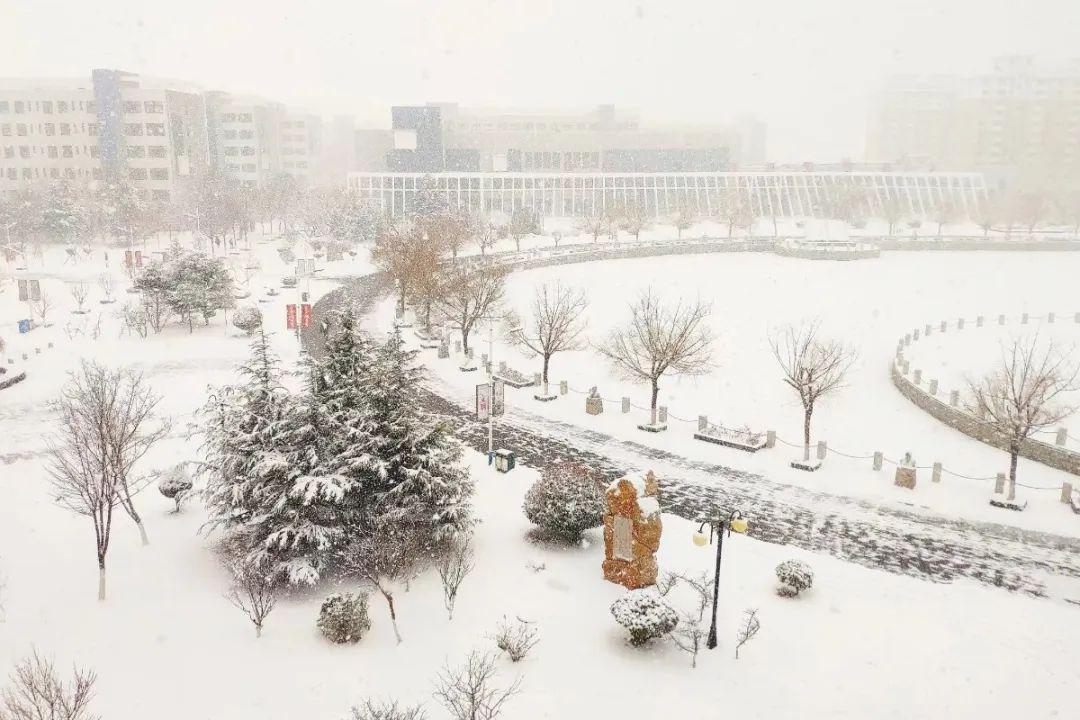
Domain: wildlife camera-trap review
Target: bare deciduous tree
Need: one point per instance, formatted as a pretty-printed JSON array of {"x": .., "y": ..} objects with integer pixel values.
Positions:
[
  {"x": 635, "y": 218},
  {"x": 593, "y": 222},
  {"x": 486, "y": 233},
  {"x": 813, "y": 367},
  {"x": 385, "y": 554},
  {"x": 469, "y": 693},
  {"x": 453, "y": 569},
  {"x": 1024, "y": 395},
  {"x": 251, "y": 592},
  {"x": 107, "y": 285},
  {"x": 386, "y": 710},
  {"x": 684, "y": 216},
  {"x": 79, "y": 291},
  {"x": 35, "y": 692},
  {"x": 747, "y": 630},
  {"x": 41, "y": 308},
  {"x": 80, "y": 466},
  {"x": 556, "y": 323},
  {"x": 893, "y": 212},
  {"x": 659, "y": 338},
  {"x": 689, "y": 636},
  {"x": 523, "y": 221},
  {"x": 472, "y": 295}
]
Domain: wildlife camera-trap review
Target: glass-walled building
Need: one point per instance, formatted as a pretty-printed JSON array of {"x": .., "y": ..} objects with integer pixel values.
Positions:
[{"x": 780, "y": 194}]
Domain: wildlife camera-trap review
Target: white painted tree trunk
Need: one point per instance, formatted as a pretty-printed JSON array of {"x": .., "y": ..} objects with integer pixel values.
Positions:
[
  {"x": 142, "y": 533},
  {"x": 101, "y": 583}
]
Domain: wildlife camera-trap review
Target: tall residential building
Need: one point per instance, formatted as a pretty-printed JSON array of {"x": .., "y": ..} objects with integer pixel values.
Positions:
[
  {"x": 245, "y": 136},
  {"x": 301, "y": 145},
  {"x": 446, "y": 137},
  {"x": 1020, "y": 118}
]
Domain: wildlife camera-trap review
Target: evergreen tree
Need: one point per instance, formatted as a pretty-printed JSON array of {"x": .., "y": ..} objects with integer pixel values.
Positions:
[{"x": 423, "y": 482}]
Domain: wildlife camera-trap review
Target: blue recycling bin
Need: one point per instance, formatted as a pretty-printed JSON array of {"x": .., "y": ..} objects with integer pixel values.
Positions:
[{"x": 24, "y": 326}]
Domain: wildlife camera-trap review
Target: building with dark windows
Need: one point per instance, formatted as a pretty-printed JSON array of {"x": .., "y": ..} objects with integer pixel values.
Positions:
[{"x": 449, "y": 138}]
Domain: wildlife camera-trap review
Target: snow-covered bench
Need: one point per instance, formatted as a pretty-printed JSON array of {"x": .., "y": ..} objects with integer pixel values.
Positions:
[{"x": 745, "y": 439}]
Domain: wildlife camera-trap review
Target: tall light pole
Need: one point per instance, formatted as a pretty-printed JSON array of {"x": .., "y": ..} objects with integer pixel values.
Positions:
[{"x": 734, "y": 522}]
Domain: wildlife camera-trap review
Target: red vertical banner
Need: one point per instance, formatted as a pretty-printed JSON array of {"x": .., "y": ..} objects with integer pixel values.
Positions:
[
  {"x": 290, "y": 316},
  {"x": 305, "y": 315}
]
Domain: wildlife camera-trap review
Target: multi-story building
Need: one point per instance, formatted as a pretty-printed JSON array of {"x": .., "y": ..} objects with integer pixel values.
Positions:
[
  {"x": 48, "y": 131},
  {"x": 446, "y": 137},
  {"x": 158, "y": 133},
  {"x": 776, "y": 193},
  {"x": 1020, "y": 117}
]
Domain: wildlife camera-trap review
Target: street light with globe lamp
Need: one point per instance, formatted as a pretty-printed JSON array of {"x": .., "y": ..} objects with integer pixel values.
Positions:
[{"x": 734, "y": 522}]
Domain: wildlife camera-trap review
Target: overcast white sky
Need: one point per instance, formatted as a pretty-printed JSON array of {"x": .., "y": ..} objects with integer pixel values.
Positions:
[{"x": 805, "y": 66}]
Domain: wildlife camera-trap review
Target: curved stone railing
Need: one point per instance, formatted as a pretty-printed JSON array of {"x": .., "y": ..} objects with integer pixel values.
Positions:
[
  {"x": 6, "y": 382},
  {"x": 925, "y": 393}
]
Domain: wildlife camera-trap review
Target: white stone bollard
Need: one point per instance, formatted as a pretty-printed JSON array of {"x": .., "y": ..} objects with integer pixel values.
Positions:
[
  {"x": 979, "y": 321},
  {"x": 1066, "y": 492},
  {"x": 915, "y": 334},
  {"x": 1062, "y": 435},
  {"x": 944, "y": 325},
  {"x": 960, "y": 324},
  {"x": 662, "y": 416},
  {"x": 702, "y": 422},
  {"x": 770, "y": 439},
  {"x": 1001, "y": 319},
  {"x": 1050, "y": 317},
  {"x": 626, "y": 405},
  {"x": 538, "y": 379},
  {"x": 907, "y": 339},
  {"x": 1076, "y": 317},
  {"x": 564, "y": 387},
  {"x": 916, "y": 377},
  {"x": 502, "y": 366},
  {"x": 457, "y": 346},
  {"x": 932, "y": 389},
  {"x": 935, "y": 475},
  {"x": 1024, "y": 319},
  {"x": 906, "y": 367},
  {"x": 926, "y": 331},
  {"x": 954, "y": 398},
  {"x": 999, "y": 483},
  {"x": 878, "y": 458},
  {"x": 822, "y": 448}
]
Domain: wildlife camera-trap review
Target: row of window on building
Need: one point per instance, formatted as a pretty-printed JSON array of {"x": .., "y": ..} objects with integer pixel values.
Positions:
[
  {"x": 71, "y": 173},
  {"x": 26, "y": 129},
  {"x": 51, "y": 151},
  {"x": 46, "y": 106}
]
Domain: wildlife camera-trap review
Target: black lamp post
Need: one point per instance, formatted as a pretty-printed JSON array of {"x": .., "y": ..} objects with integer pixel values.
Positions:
[{"x": 733, "y": 522}]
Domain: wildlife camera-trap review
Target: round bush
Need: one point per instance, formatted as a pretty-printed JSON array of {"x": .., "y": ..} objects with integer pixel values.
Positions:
[
  {"x": 566, "y": 501},
  {"x": 175, "y": 485},
  {"x": 795, "y": 576},
  {"x": 645, "y": 615},
  {"x": 344, "y": 618},
  {"x": 248, "y": 318}
]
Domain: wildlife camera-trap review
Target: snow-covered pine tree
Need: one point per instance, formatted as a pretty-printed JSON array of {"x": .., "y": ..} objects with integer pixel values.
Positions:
[
  {"x": 423, "y": 481},
  {"x": 240, "y": 426}
]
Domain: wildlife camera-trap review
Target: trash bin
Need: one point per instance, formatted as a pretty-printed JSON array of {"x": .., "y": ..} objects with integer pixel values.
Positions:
[{"x": 504, "y": 460}]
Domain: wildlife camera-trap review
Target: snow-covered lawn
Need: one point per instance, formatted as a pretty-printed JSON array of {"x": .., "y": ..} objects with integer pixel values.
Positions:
[
  {"x": 860, "y": 643},
  {"x": 868, "y": 303}
]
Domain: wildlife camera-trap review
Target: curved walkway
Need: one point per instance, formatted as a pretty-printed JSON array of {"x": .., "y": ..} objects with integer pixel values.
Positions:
[{"x": 907, "y": 542}]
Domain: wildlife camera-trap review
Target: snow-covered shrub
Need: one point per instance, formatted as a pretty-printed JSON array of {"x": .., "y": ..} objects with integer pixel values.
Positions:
[
  {"x": 795, "y": 576},
  {"x": 386, "y": 710},
  {"x": 566, "y": 501},
  {"x": 645, "y": 615},
  {"x": 248, "y": 319},
  {"x": 175, "y": 485},
  {"x": 516, "y": 638},
  {"x": 344, "y": 618}
]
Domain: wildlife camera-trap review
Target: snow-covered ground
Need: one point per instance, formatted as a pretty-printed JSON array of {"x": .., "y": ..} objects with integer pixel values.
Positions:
[
  {"x": 869, "y": 304},
  {"x": 862, "y": 643}
]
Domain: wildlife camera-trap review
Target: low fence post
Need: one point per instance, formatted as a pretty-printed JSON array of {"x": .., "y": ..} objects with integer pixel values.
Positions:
[
  {"x": 954, "y": 398},
  {"x": 1001, "y": 319},
  {"x": 878, "y": 457},
  {"x": 933, "y": 387},
  {"x": 564, "y": 387},
  {"x": 916, "y": 377},
  {"x": 1024, "y": 319},
  {"x": 935, "y": 474},
  {"x": 1076, "y": 317},
  {"x": 999, "y": 483},
  {"x": 915, "y": 334},
  {"x": 770, "y": 439},
  {"x": 907, "y": 337},
  {"x": 979, "y": 321},
  {"x": 906, "y": 367},
  {"x": 960, "y": 324},
  {"x": 538, "y": 379},
  {"x": 822, "y": 449},
  {"x": 1066, "y": 492},
  {"x": 662, "y": 417},
  {"x": 702, "y": 422},
  {"x": 626, "y": 405},
  {"x": 1062, "y": 435},
  {"x": 944, "y": 325},
  {"x": 1050, "y": 317},
  {"x": 926, "y": 331}
]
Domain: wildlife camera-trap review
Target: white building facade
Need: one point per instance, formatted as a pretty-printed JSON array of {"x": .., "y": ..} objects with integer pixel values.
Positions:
[{"x": 779, "y": 194}]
